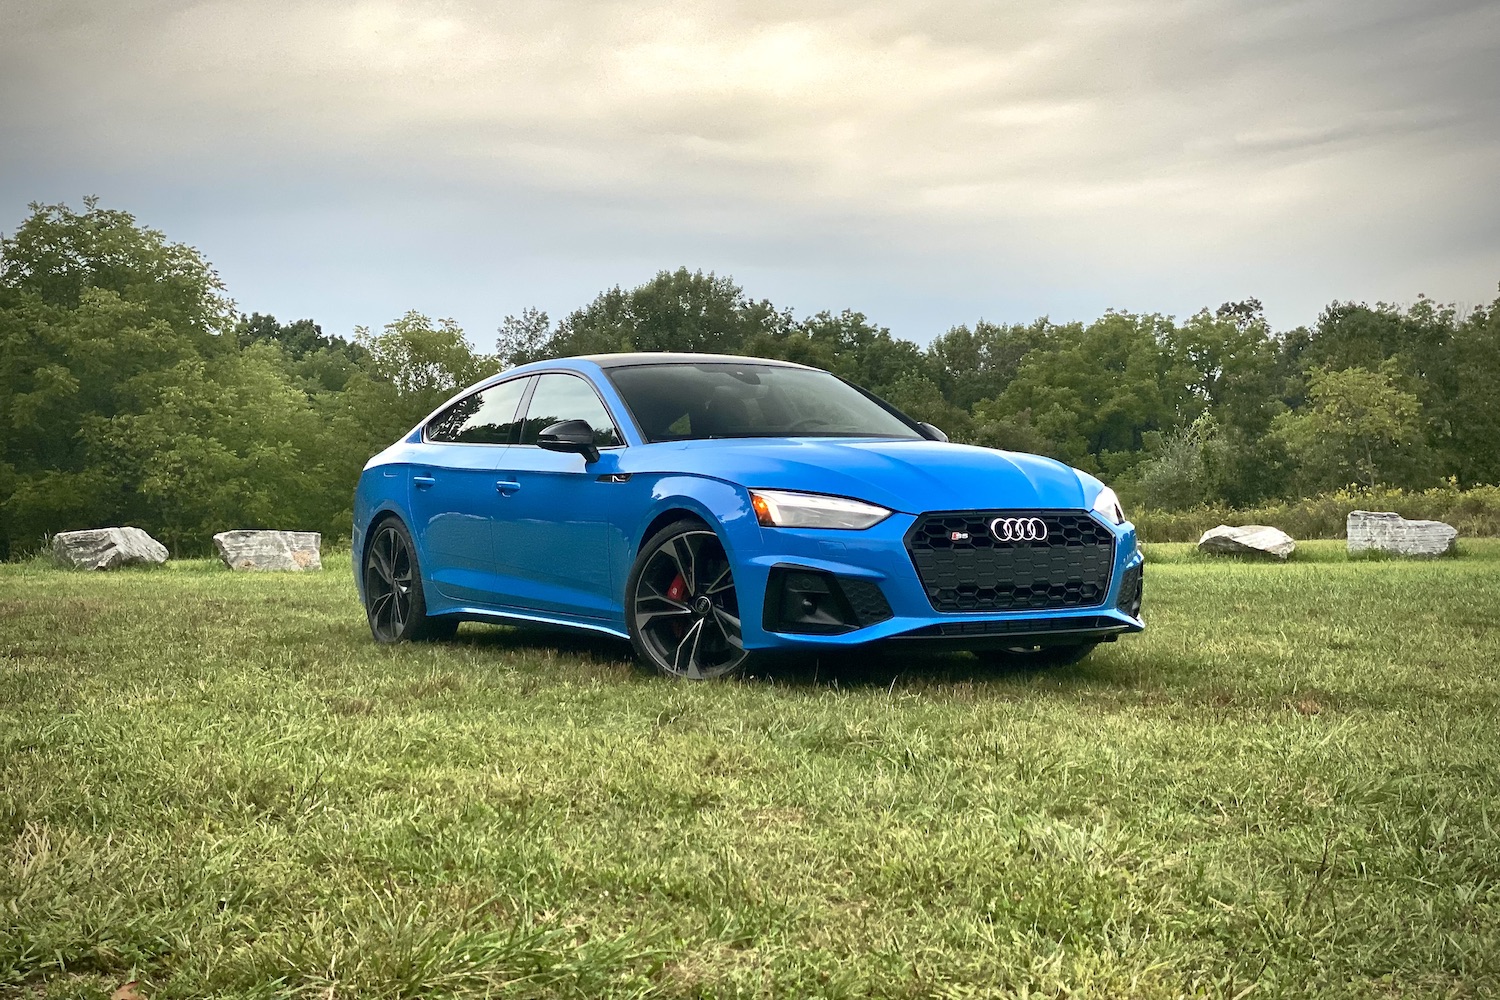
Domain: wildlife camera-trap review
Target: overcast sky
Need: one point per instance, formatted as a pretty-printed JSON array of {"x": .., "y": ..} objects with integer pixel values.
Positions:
[{"x": 928, "y": 163}]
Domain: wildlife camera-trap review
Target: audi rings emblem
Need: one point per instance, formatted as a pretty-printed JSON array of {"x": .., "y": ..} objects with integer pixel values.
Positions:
[{"x": 1019, "y": 529}]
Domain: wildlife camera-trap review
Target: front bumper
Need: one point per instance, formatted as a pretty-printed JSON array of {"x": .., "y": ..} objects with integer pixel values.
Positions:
[{"x": 879, "y": 556}]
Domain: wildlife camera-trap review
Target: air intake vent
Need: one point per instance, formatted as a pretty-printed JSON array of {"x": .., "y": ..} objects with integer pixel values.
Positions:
[{"x": 1131, "y": 586}]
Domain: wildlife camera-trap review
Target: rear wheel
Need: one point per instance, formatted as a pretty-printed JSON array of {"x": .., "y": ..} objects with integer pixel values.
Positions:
[
  {"x": 394, "y": 602},
  {"x": 681, "y": 605}
]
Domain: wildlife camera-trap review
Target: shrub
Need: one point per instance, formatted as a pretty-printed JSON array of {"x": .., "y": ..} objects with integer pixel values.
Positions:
[{"x": 1474, "y": 512}]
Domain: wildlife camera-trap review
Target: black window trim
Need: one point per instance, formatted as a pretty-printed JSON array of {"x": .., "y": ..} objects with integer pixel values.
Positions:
[
  {"x": 890, "y": 408},
  {"x": 521, "y": 404},
  {"x": 525, "y": 406}
]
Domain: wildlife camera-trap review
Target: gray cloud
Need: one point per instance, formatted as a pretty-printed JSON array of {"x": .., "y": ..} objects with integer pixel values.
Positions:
[{"x": 924, "y": 161}]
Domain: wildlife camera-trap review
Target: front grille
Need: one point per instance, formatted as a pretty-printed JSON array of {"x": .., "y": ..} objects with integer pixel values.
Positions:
[{"x": 963, "y": 567}]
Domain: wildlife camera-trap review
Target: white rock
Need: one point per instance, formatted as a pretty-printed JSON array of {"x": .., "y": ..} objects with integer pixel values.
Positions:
[
  {"x": 106, "y": 548},
  {"x": 260, "y": 550},
  {"x": 1249, "y": 539},
  {"x": 1384, "y": 531}
]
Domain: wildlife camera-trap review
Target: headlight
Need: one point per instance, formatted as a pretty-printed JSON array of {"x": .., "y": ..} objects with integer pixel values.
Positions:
[
  {"x": 1108, "y": 504},
  {"x": 780, "y": 509}
]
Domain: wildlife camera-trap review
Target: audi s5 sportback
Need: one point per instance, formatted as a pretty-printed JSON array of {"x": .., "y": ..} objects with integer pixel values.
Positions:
[{"x": 715, "y": 509}]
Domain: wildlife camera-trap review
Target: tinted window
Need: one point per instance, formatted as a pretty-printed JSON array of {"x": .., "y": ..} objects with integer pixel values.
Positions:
[
  {"x": 485, "y": 417},
  {"x": 567, "y": 397},
  {"x": 724, "y": 400}
]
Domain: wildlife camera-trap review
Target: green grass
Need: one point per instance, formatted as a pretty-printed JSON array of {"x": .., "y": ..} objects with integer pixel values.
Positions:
[{"x": 217, "y": 784}]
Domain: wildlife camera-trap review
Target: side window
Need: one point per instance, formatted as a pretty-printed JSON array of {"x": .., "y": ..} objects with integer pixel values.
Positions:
[
  {"x": 484, "y": 417},
  {"x": 567, "y": 397}
]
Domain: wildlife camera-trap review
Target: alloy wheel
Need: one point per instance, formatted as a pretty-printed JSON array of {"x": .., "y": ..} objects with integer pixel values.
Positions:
[
  {"x": 685, "y": 609},
  {"x": 388, "y": 584}
]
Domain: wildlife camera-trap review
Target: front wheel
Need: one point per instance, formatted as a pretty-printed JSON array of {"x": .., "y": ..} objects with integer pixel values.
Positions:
[
  {"x": 394, "y": 602},
  {"x": 682, "y": 610}
]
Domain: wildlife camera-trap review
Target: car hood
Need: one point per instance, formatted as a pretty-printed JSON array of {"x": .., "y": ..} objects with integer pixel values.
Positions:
[{"x": 909, "y": 476}]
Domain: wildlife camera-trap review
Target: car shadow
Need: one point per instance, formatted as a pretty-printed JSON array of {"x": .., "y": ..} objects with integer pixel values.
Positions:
[
  {"x": 572, "y": 642},
  {"x": 877, "y": 667}
]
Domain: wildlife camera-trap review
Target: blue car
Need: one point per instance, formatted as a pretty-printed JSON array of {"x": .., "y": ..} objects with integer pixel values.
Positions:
[{"x": 714, "y": 510}]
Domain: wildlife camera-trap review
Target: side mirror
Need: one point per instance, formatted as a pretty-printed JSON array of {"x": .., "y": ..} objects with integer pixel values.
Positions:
[
  {"x": 931, "y": 431},
  {"x": 573, "y": 436}
]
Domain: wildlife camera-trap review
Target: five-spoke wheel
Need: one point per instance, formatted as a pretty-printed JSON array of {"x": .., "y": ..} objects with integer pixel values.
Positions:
[
  {"x": 683, "y": 615},
  {"x": 394, "y": 602}
]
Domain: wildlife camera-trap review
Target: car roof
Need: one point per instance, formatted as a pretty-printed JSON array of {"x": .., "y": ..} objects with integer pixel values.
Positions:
[{"x": 673, "y": 358}]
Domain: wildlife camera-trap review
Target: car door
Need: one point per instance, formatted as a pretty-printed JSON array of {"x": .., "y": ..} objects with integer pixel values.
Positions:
[
  {"x": 551, "y": 531},
  {"x": 457, "y": 487}
]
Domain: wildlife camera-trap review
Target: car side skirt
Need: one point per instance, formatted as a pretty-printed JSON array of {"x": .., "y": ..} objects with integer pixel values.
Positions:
[{"x": 527, "y": 618}]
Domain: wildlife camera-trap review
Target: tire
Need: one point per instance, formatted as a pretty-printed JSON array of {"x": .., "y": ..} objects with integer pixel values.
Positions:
[
  {"x": 394, "y": 603},
  {"x": 1039, "y": 657},
  {"x": 681, "y": 606}
]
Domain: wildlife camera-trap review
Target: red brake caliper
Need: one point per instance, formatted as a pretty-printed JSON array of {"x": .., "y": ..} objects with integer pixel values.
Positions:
[{"x": 677, "y": 592}]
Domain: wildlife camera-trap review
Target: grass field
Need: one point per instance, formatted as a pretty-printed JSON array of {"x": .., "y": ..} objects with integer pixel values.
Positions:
[{"x": 216, "y": 784}]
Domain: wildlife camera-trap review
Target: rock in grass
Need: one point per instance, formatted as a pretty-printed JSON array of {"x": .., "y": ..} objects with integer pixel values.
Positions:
[
  {"x": 106, "y": 548},
  {"x": 1385, "y": 531},
  {"x": 1247, "y": 540},
  {"x": 273, "y": 550}
]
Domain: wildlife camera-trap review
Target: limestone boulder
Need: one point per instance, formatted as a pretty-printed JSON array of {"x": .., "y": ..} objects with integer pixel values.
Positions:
[
  {"x": 1388, "y": 532},
  {"x": 269, "y": 550},
  {"x": 1247, "y": 540},
  {"x": 106, "y": 548}
]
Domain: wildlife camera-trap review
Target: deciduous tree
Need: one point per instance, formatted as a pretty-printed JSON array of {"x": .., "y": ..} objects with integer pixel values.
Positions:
[{"x": 1359, "y": 428}]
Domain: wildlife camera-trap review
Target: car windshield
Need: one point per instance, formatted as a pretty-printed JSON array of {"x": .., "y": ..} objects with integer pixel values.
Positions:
[{"x": 679, "y": 402}]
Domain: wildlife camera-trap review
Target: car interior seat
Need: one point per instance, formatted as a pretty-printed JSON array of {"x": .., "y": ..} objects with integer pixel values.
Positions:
[{"x": 723, "y": 413}]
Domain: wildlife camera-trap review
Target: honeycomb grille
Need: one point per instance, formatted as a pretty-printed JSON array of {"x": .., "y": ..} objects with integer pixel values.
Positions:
[
  {"x": 865, "y": 600},
  {"x": 963, "y": 567}
]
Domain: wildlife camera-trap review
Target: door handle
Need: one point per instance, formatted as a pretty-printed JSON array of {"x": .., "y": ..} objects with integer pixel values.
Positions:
[
  {"x": 423, "y": 482},
  {"x": 507, "y": 487}
]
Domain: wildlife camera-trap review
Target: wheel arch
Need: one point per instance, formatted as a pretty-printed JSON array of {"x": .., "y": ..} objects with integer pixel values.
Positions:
[
  {"x": 381, "y": 516},
  {"x": 726, "y": 654},
  {"x": 671, "y": 515},
  {"x": 721, "y": 506}
]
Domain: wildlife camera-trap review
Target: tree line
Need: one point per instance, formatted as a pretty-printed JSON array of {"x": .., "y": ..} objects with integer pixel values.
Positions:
[{"x": 134, "y": 391}]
